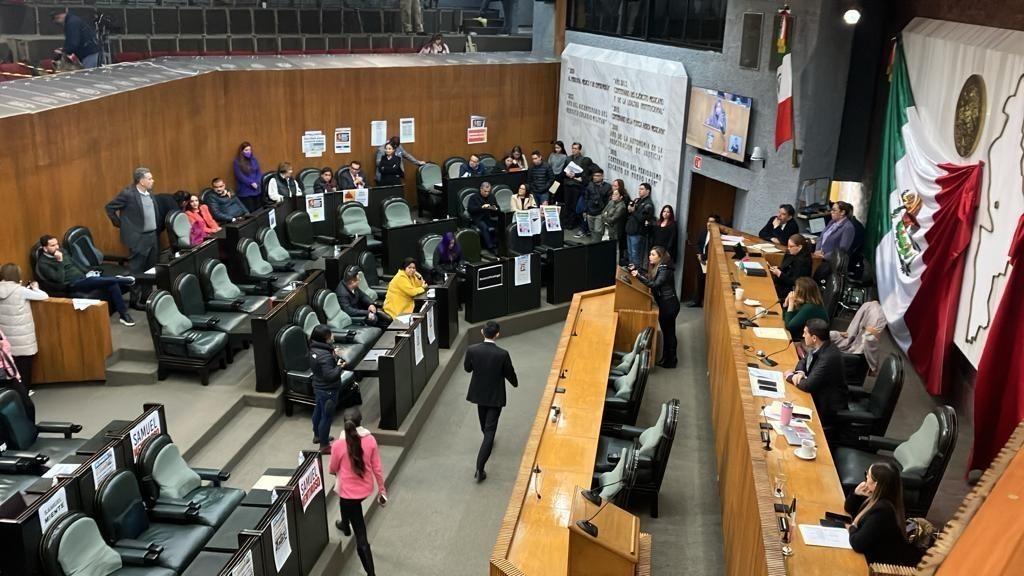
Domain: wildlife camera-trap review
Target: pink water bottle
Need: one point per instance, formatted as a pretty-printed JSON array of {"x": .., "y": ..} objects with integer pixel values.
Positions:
[{"x": 787, "y": 413}]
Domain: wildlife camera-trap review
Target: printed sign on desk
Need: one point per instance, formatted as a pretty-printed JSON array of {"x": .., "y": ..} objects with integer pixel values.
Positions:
[
  {"x": 523, "y": 228},
  {"x": 103, "y": 466},
  {"x": 431, "y": 333},
  {"x": 148, "y": 428},
  {"x": 490, "y": 277},
  {"x": 551, "y": 221},
  {"x": 52, "y": 509},
  {"x": 310, "y": 484},
  {"x": 523, "y": 269},
  {"x": 315, "y": 207},
  {"x": 281, "y": 538},
  {"x": 245, "y": 566}
]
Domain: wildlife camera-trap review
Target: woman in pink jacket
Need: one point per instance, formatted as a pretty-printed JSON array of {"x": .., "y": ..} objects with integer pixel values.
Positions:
[{"x": 355, "y": 460}]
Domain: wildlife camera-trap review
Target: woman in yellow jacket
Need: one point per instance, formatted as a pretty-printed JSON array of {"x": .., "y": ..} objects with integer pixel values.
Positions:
[{"x": 405, "y": 286}]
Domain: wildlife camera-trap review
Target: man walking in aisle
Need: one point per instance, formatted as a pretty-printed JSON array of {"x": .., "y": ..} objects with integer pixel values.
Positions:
[{"x": 490, "y": 365}]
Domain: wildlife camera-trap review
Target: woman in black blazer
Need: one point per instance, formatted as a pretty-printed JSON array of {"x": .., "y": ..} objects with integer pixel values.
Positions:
[
  {"x": 878, "y": 530},
  {"x": 666, "y": 232},
  {"x": 389, "y": 168},
  {"x": 795, "y": 264},
  {"x": 660, "y": 278}
]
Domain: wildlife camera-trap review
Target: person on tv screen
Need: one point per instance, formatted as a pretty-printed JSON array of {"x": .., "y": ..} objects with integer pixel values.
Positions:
[{"x": 717, "y": 118}]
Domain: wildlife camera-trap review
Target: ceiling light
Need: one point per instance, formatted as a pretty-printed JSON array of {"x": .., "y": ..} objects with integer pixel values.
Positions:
[{"x": 851, "y": 16}]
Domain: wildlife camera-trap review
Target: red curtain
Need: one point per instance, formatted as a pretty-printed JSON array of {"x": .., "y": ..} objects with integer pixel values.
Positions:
[
  {"x": 931, "y": 316},
  {"x": 999, "y": 387}
]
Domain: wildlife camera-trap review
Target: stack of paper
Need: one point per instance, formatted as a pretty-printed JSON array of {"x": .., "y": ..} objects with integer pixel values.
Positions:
[
  {"x": 767, "y": 383},
  {"x": 728, "y": 240}
]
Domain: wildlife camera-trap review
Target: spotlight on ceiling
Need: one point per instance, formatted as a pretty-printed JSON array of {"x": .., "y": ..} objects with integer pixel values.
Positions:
[{"x": 851, "y": 16}]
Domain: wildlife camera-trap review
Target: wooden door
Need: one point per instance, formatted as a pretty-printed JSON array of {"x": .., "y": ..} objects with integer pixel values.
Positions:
[{"x": 707, "y": 197}]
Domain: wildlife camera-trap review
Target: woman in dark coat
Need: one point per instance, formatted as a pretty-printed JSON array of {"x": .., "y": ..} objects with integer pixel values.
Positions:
[
  {"x": 666, "y": 232},
  {"x": 389, "y": 169},
  {"x": 795, "y": 264},
  {"x": 660, "y": 278},
  {"x": 878, "y": 530},
  {"x": 326, "y": 368}
]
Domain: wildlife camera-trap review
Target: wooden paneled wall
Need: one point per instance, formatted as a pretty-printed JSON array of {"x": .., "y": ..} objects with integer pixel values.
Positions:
[{"x": 62, "y": 166}]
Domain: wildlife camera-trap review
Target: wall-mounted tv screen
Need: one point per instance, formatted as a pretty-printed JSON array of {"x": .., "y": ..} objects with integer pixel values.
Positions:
[{"x": 718, "y": 122}]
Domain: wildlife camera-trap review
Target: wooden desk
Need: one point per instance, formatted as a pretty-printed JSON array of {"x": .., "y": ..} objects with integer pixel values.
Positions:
[
  {"x": 73, "y": 344},
  {"x": 746, "y": 471},
  {"x": 773, "y": 258},
  {"x": 534, "y": 535}
]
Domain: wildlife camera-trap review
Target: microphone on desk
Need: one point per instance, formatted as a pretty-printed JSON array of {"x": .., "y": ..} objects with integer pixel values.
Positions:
[
  {"x": 766, "y": 430},
  {"x": 750, "y": 322},
  {"x": 594, "y": 497},
  {"x": 767, "y": 358},
  {"x": 536, "y": 481}
]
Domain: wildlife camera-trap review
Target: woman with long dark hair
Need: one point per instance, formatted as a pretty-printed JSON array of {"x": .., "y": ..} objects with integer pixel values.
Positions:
[
  {"x": 878, "y": 530},
  {"x": 355, "y": 460},
  {"x": 660, "y": 278},
  {"x": 558, "y": 159},
  {"x": 795, "y": 264},
  {"x": 802, "y": 304},
  {"x": 666, "y": 232},
  {"x": 390, "y": 171},
  {"x": 247, "y": 173},
  {"x": 518, "y": 158}
]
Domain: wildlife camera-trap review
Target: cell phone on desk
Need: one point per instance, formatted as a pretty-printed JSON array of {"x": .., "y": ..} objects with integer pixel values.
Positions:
[{"x": 841, "y": 518}]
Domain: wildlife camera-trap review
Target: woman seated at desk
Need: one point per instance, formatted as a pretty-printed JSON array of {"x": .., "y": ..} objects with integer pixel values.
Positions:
[
  {"x": 795, "y": 264},
  {"x": 523, "y": 200},
  {"x": 447, "y": 257},
  {"x": 406, "y": 285},
  {"x": 878, "y": 530},
  {"x": 802, "y": 304}
]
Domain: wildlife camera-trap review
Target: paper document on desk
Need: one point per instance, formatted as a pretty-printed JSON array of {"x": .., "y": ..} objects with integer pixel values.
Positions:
[
  {"x": 83, "y": 303},
  {"x": 728, "y": 240},
  {"x": 827, "y": 537},
  {"x": 773, "y": 333},
  {"x": 374, "y": 354},
  {"x": 767, "y": 383}
]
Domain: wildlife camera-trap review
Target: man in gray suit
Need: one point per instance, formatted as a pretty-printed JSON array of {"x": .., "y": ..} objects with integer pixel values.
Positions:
[
  {"x": 490, "y": 366},
  {"x": 138, "y": 216}
]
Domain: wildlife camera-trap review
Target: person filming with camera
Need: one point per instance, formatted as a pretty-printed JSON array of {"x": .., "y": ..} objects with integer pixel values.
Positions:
[{"x": 79, "y": 40}]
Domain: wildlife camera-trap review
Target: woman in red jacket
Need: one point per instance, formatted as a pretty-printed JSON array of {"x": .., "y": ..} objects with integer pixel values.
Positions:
[
  {"x": 200, "y": 213},
  {"x": 355, "y": 459}
]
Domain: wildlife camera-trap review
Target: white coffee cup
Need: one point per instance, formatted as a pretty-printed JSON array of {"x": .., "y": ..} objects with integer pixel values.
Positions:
[
  {"x": 809, "y": 448},
  {"x": 739, "y": 294}
]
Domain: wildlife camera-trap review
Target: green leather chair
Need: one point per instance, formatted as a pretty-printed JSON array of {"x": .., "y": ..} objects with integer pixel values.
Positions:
[
  {"x": 73, "y": 546},
  {"x": 352, "y": 222},
  {"x": 395, "y": 212},
  {"x": 189, "y": 297},
  {"x": 299, "y": 231},
  {"x": 179, "y": 231},
  {"x": 258, "y": 271},
  {"x": 224, "y": 295},
  {"x": 623, "y": 361},
  {"x": 291, "y": 345},
  {"x": 22, "y": 434},
  {"x": 280, "y": 258},
  {"x": 182, "y": 344},
  {"x": 626, "y": 393}
]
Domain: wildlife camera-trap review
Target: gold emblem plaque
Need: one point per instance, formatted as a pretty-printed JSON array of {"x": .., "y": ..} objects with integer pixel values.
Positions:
[{"x": 970, "y": 115}]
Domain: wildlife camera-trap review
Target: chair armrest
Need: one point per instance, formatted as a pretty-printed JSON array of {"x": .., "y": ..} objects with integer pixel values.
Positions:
[
  {"x": 912, "y": 481},
  {"x": 136, "y": 557},
  {"x": 281, "y": 266},
  {"x": 116, "y": 259},
  {"x": 623, "y": 431},
  {"x": 326, "y": 239},
  {"x": 881, "y": 443},
  {"x": 303, "y": 251},
  {"x": 858, "y": 392},
  {"x": 22, "y": 463},
  {"x": 855, "y": 416},
  {"x": 213, "y": 475},
  {"x": 178, "y": 502},
  {"x": 162, "y": 512},
  {"x": 615, "y": 402},
  {"x": 225, "y": 305},
  {"x": 133, "y": 544},
  {"x": 186, "y": 338},
  {"x": 258, "y": 278},
  {"x": 203, "y": 322},
  {"x": 250, "y": 288},
  {"x": 65, "y": 428}
]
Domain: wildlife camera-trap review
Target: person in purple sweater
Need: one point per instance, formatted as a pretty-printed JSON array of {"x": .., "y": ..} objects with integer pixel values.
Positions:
[
  {"x": 840, "y": 232},
  {"x": 247, "y": 173}
]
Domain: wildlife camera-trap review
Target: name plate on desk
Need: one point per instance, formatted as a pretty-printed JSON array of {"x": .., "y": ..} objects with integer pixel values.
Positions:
[{"x": 490, "y": 277}]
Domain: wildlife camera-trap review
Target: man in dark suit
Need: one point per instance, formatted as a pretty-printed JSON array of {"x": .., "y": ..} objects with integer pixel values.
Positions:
[
  {"x": 780, "y": 227},
  {"x": 139, "y": 216},
  {"x": 702, "y": 254},
  {"x": 353, "y": 177},
  {"x": 821, "y": 373},
  {"x": 490, "y": 366},
  {"x": 357, "y": 304}
]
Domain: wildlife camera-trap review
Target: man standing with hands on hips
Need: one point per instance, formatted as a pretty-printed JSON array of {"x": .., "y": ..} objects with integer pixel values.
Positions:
[
  {"x": 138, "y": 216},
  {"x": 490, "y": 366}
]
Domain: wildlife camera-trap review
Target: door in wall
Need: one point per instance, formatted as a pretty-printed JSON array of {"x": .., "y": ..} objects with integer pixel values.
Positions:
[{"x": 707, "y": 197}]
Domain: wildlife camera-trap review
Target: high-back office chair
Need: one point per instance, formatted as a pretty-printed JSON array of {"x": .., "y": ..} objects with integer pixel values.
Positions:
[
  {"x": 281, "y": 259},
  {"x": 308, "y": 177},
  {"x": 622, "y": 362},
  {"x": 922, "y": 459},
  {"x": 654, "y": 446},
  {"x": 352, "y": 222},
  {"x": 626, "y": 393},
  {"x": 58, "y": 289},
  {"x": 831, "y": 292},
  {"x": 375, "y": 280},
  {"x": 305, "y": 318},
  {"x": 489, "y": 162},
  {"x": 188, "y": 294},
  {"x": 258, "y": 271},
  {"x": 291, "y": 345},
  {"x": 328, "y": 310},
  {"x": 453, "y": 166},
  {"x": 427, "y": 247},
  {"x": 503, "y": 197},
  {"x": 179, "y": 230},
  {"x": 21, "y": 432},
  {"x": 78, "y": 243},
  {"x": 73, "y": 545},
  {"x": 124, "y": 522},
  {"x": 205, "y": 195},
  {"x": 428, "y": 197},
  {"x": 167, "y": 479},
  {"x": 616, "y": 484},
  {"x": 464, "y": 195},
  {"x": 264, "y": 183},
  {"x": 869, "y": 413},
  {"x": 517, "y": 245},
  {"x": 469, "y": 243},
  {"x": 395, "y": 212},
  {"x": 342, "y": 170},
  {"x": 223, "y": 294},
  {"x": 299, "y": 230},
  {"x": 181, "y": 343}
]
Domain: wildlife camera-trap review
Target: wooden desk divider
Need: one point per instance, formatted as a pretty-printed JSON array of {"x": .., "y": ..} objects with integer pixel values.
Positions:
[
  {"x": 615, "y": 551},
  {"x": 630, "y": 293}
]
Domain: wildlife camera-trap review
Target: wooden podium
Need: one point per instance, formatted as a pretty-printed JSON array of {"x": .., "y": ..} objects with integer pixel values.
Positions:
[
  {"x": 616, "y": 549},
  {"x": 630, "y": 293}
]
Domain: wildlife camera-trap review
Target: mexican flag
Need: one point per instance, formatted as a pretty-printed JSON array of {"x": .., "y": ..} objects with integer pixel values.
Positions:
[
  {"x": 920, "y": 224},
  {"x": 784, "y": 80}
]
